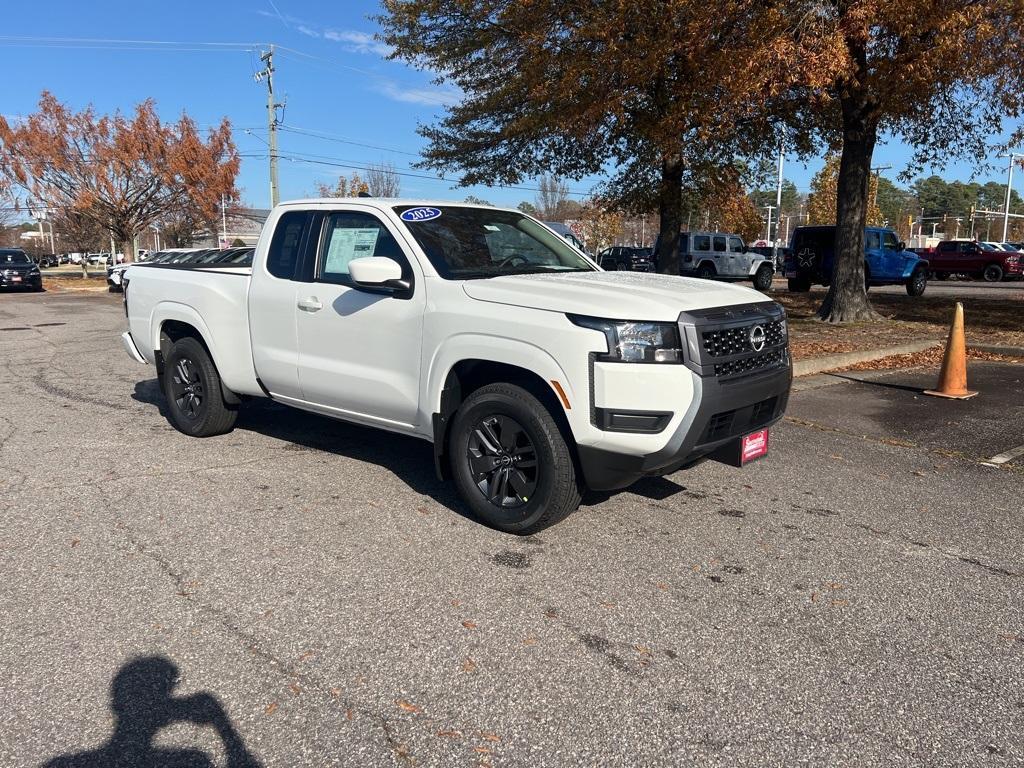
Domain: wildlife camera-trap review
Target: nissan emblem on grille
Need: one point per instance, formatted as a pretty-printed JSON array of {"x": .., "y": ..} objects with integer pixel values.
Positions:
[{"x": 757, "y": 338}]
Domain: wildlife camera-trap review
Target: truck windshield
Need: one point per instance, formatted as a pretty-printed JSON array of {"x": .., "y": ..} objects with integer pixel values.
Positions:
[{"x": 465, "y": 243}]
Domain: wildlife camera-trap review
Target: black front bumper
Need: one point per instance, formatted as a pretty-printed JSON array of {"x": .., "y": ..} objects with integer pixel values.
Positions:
[
  {"x": 730, "y": 403},
  {"x": 27, "y": 281}
]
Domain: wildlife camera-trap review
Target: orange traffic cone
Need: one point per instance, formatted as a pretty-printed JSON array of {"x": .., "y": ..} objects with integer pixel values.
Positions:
[{"x": 953, "y": 376}]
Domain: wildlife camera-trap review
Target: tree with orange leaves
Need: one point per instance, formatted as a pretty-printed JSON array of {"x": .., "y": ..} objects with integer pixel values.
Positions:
[{"x": 124, "y": 173}]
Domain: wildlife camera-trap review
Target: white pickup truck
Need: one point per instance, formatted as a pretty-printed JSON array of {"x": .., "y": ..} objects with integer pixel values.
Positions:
[{"x": 534, "y": 373}]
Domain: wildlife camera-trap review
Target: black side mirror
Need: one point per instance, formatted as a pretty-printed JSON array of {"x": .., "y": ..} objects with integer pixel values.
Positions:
[{"x": 902, "y": 246}]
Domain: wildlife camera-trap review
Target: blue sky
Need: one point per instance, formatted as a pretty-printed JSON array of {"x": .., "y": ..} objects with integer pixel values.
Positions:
[{"x": 330, "y": 72}]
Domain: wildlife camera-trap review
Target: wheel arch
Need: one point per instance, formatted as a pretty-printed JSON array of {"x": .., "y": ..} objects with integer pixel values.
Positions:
[
  {"x": 177, "y": 325},
  {"x": 469, "y": 374}
]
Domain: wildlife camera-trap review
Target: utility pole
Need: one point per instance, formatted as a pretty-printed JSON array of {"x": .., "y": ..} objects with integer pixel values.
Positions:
[
  {"x": 769, "y": 208},
  {"x": 874, "y": 193},
  {"x": 223, "y": 222},
  {"x": 778, "y": 207},
  {"x": 1009, "y": 189},
  {"x": 268, "y": 58}
]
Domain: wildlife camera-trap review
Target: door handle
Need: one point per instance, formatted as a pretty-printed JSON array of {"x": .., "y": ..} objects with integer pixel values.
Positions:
[{"x": 312, "y": 304}]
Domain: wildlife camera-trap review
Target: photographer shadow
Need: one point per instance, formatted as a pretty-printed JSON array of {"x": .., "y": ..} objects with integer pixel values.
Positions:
[{"x": 143, "y": 701}]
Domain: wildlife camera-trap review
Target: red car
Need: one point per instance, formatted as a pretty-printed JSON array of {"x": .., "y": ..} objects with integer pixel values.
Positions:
[{"x": 969, "y": 257}]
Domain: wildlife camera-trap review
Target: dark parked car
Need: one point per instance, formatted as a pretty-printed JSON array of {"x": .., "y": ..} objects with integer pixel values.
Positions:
[
  {"x": 623, "y": 257},
  {"x": 17, "y": 270},
  {"x": 48, "y": 261}
]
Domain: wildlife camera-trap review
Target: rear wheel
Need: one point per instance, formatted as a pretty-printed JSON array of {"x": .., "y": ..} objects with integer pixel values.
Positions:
[
  {"x": 192, "y": 387},
  {"x": 917, "y": 282},
  {"x": 511, "y": 464},
  {"x": 763, "y": 277},
  {"x": 993, "y": 273},
  {"x": 706, "y": 271}
]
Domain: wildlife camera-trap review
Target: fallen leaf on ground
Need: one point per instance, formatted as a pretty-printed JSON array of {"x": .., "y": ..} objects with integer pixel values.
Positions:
[
  {"x": 469, "y": 624},
  {"x": 403, "y": 704},
  {"x": 271, "y": 708},
  {"x": 488, "y": 736},
  {"x": 450, "y": 734},
  {"x": 469, "y": 665}
]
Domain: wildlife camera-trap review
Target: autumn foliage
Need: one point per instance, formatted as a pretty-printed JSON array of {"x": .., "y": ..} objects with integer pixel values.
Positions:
[{"x": 123, "y": 173}]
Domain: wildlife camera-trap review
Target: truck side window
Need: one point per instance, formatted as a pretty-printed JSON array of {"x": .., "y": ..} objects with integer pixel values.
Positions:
[
  {"x": 735, "y": 245},
  {"x": 871, "y": 241},
  {"x": 701, "y": 243},
  {"x": 890, "y": 241},
  {"x": 352, "y": 235},
  {"x": 947, "y": 247},
  {"x": 719, "y": 244},
  {"x": 286, "y": 245}
]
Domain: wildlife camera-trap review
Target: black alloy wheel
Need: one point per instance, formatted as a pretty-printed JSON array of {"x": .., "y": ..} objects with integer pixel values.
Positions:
[
  {"x": 187, "y": 389},
  {"x": 502, "y": 461}
]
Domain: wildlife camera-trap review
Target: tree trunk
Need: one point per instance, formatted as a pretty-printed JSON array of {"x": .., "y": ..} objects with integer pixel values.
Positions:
[
  {"x": 127, "y": 249},
  {"x": 670, "y": 210},
  {"x": 847, "y": 299}
]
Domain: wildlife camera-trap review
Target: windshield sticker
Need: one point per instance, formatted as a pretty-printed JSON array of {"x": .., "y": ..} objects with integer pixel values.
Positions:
[{"x": 420, "y": 214}]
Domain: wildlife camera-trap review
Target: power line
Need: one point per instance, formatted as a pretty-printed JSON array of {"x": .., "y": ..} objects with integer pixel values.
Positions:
[{"x": 42, "y": 41}]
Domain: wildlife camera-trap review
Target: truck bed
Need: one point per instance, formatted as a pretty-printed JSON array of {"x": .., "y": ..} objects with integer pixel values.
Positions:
[{"x": 159, "y": 295}]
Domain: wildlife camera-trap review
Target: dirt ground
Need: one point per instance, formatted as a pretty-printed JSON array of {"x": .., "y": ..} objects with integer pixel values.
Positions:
[{"x": 988, "y": 321}]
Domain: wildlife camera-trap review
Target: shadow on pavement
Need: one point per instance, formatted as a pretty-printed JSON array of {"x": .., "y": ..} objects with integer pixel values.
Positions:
[
  {"x": 143, "y": 701},
  {"x": 411, "y": 460}
]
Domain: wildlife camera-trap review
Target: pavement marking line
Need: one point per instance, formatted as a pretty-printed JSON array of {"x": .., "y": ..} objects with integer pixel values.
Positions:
[{"x": 1006, "y": 456}]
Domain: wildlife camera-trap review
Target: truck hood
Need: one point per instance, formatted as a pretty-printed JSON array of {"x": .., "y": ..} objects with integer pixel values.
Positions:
[{"x": 612, "y": 295}]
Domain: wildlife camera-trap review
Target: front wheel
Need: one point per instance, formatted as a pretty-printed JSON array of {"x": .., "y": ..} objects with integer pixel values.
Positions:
[
  {"x": 510, "y": 462},
  {"x": 763, "y": 277},
  {"x": 917, "y": 282},
  {"x": 993, "y": 273},
  {"x": 191, "y": 385}
]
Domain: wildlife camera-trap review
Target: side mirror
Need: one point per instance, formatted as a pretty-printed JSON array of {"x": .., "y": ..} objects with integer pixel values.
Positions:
[
  {"x": 377, "y": 272},
  {"x": 902, "y": 246}
]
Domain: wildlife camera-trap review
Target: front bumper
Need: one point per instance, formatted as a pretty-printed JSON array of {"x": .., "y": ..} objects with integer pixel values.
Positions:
[
  {"x": 735, "y": 391},
  {"x": 27, "y": 280}
]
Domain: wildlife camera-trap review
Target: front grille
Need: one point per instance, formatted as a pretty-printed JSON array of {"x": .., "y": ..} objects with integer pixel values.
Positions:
[
  {"x": 752, "y": 363},
  {"x": 740, "y": 421},
  {"x": 718, "y": 341},
  {"x": 719, "y": 425},
  {"x": 734, "y": 341}
]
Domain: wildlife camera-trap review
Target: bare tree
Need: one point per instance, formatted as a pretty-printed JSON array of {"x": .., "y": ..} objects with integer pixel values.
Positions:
[
  {"x": 382, "y": 180},
  {"x": 551, "y": 198}
]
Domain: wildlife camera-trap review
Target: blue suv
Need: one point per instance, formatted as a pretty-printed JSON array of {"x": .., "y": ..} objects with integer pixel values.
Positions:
[{"x": 886, "y": 260}]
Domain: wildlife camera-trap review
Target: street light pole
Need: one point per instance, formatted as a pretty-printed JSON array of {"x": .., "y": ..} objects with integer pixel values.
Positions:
[
  {"x": 1009, "y": 189},
  {"x": 268, "y": 73},
  {"x": 769, "y": 208},
  {"x": 778, "y": 206}
]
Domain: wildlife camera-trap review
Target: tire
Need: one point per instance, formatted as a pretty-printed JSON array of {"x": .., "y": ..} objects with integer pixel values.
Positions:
[
  {"x": 867, "y": 278},
  {"x": 706, "y": 272},
  {"x": 763, "y": 277},
  {"x": 917, "y": 282},
  {"x": 993, "y": 273},
  {"x": 192, "y": 388},
  {"x": 799, "y": 284},
  {"x": 498, "y": 423}
]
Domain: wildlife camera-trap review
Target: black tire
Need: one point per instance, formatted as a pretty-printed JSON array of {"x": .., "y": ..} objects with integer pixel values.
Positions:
[
  {"x": 763, "y": 277},
  {"x": 192, "y": 388},
  {"x": 706, "y": 272},
  {"x": 800, "y": 284},
  {"x": 494, "y": 433},
  {"x": 917, "y": 282},
  {"x": 993, "y": 273},
  {"x": 867, "y": 278}
]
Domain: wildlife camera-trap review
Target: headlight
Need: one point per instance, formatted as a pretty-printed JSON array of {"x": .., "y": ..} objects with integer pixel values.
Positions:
[{"x": 635, "y": 342}]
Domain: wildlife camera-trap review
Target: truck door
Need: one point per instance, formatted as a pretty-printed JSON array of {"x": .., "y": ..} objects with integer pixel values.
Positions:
[
  {"x": 738, "y": 259},
  {"x": 272, "y": 293},
  {"x": 873, "y": 254},
  {"x": 720, "y": 253},
  {"x": 359, "y": 352},
  {"x": 892, "y": 256}
]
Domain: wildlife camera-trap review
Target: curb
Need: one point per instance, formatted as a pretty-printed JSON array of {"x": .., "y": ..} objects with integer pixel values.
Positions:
[
  {"x": 843, "y": 359},
  {"x": 997, "y": 349}
]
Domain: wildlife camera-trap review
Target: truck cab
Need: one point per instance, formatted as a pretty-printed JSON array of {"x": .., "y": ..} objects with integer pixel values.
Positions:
[{"x": 886, "y": 260}]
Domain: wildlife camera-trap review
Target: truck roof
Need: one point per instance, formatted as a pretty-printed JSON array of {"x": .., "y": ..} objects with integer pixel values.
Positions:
[{"x": 385, "y": 203}]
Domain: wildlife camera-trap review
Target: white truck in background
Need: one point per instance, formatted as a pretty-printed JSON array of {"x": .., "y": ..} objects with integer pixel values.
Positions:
[{"x": 534, "y": 373}]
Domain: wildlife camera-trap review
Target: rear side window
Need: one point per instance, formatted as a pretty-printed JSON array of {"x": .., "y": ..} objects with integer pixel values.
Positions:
[
  {"x": 701, "y": 243},
  {"x": 352, "y": 235},
  {"x": 286, "y": 245},
  {"x": 871, "y": 241},
  {"x": 947, "y": 247}
]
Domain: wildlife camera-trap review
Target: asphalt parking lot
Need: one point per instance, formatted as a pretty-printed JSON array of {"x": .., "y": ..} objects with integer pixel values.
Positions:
[{"x": 304, "y": 592}]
